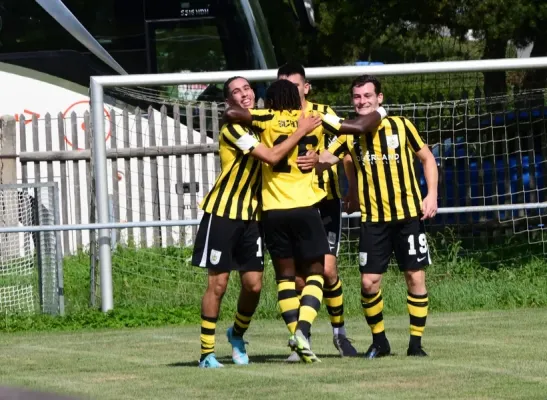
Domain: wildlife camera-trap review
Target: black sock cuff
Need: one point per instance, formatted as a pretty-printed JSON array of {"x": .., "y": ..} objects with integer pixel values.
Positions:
[
  {"x": 285, "y": 278},
  {"x": 209, "y": 319},
  {"x": 331, "y": 287},
  {"x": 418, "y": 296},
  {"x": 245, "y": 314},
  {"x": 368, "y": 295}
]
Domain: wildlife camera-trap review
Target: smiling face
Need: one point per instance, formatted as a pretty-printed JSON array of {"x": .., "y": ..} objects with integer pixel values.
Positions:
[
  {"x": 300, "y": 83},
  {"x": 365, "y": 99},
  {"x": 241, "y": 93}
]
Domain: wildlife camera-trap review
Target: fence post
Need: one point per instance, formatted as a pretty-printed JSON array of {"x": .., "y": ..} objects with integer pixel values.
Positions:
[
  {"x": 9, "y": 204},
  {"x": 8, "y": 151}
]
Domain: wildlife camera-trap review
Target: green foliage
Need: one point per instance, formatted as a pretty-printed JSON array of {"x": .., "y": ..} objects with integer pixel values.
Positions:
[
  {"x": 428, "y": 30},
  {"x": 94, "y": 319},
  {"x": 158, "y": 286}
]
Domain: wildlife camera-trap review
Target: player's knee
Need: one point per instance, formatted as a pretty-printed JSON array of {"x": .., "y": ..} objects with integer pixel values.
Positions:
[
  {"x": 253, "y": 286},
  {"x": 315, "y": 266},
  {"x": 370, "y": 282},
  {"x": 217, "y": 287},
  {"x": 415, "y": 281}
]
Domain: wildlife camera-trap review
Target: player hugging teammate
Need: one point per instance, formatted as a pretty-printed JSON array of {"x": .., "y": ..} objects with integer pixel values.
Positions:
[{"x": 267, "y": 157}]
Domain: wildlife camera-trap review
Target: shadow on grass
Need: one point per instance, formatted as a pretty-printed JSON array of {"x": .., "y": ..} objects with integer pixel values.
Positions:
[{"x": 256, "y": 359}]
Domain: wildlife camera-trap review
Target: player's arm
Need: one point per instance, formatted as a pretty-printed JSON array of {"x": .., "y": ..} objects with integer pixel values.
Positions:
[
  {"x": 357, "y": 126},
  {"x": 308, "y": 161},
  {"x": 417, "y": 145},
  {"x": 333, "y": 155},
  {"x": 249, "y": 117},
  {"x": 247, "y": 143},
  {"x": 272, "y": 156},
  {"x": 351, "y": 201},
  {"x": 236, "y": 114}
]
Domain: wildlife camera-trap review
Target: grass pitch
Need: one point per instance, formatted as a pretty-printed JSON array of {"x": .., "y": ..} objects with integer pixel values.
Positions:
[{"x": 476, "y": 355}]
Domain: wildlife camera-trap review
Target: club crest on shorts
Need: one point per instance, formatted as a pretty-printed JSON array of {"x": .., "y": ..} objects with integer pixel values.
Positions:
[
  {"x": 392, "y": 141},
  {"x": 362, "y": 259},
  {"x": 331, "y": 238},
  {"x": 215, "y": 256}
]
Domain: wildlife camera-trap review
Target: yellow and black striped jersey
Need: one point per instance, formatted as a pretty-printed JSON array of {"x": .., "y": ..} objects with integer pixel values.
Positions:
[
  {"x": 236, "y": 191},
  {"x": 328, "y": 181},
  {"x": 285, "y": 186},
  {"x": 384, "y": 160}
]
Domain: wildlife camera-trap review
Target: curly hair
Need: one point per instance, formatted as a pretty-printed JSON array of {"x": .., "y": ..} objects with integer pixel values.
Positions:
[{"x": 283, "y": 95}]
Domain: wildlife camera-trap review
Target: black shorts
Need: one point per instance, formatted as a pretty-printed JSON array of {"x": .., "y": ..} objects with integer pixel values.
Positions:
[
  {"x": 379, "y": 240},
  {"x": 225, "y": 244},
  {"x": 331, "y": 214},
  {"x": 295, "y": 233}
]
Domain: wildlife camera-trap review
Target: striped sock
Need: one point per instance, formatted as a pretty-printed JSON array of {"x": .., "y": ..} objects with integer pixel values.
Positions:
[
  {"x": 207, "y": 336},
  {"x": 417, "y": 305},
  {"x": 334, "y": 300},
  {"x": 288, "y": 302},
  {"x": 310, "y": 303},
  {"x": 373, "y": 305},
  {"x": 241, "y": 322}
]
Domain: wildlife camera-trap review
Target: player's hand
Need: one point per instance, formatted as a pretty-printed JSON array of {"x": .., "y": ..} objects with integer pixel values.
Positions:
[
  {"x": 307, "y": 123},
  {"x": 308, "y": 162},
  {"x": 351, "y": 202},
  {"x": 429, "y": 207}
]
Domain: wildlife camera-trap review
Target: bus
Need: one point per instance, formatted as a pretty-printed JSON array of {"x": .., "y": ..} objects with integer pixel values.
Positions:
[{"x": 143, "y": 36}]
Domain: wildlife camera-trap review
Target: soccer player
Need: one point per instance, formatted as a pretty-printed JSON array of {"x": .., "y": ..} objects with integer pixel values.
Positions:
[
  {"x": 292, "y": 224},
  {"x": 330, "y": 209},
  {"x": 392, "y": 211},
  {"x": 229, "y": 236}
]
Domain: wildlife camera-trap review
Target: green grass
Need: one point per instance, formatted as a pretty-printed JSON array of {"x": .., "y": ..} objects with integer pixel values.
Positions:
[
  {"x": 158, "y": 286},
  {"x": 164, "y": 278},
  {"x": 473, "y": 355}
]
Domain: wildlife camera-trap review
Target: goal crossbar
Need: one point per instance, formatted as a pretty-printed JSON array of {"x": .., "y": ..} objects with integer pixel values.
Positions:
[{"x": 98, "y": 83}]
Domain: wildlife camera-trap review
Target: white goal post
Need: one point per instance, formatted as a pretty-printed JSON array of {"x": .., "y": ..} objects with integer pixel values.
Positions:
[{"x": 99, "y": 83}]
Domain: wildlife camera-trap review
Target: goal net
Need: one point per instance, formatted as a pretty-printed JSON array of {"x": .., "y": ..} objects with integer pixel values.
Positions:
[
  {"x": 30, "y": 262},
  {"x": 490, "y": 151}
]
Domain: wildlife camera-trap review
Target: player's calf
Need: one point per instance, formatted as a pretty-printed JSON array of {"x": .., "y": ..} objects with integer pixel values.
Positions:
[
  {"x": 310, "y": 303},
  {"x": 249, "y": 296}
]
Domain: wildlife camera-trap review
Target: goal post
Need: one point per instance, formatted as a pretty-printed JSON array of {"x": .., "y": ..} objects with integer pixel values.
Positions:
[{"x": 98, "y": 84}]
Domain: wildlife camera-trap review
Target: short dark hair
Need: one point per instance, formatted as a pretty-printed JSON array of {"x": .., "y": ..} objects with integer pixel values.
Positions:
[
  {"x": 364, "y": 79},
  {"x": 283, "y": 95},
  {"x": 289, "y": 69},
  {"x": 226, "y": 89}
]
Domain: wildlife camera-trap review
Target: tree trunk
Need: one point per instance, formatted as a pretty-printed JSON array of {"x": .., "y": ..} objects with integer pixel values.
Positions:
[
  {"x": 494, "y": 81},
  {"x": 537, "y": 78}
]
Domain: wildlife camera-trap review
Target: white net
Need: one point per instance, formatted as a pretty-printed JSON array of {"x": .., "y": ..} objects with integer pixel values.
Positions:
[
  {"x": 490, "y": 152},
  {"x": 28, "y": 261},
  {"x": 17, "y": 253}
]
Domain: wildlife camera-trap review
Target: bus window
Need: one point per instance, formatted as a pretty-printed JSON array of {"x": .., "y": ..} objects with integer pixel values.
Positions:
[{"x": 189, "y": 45}]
